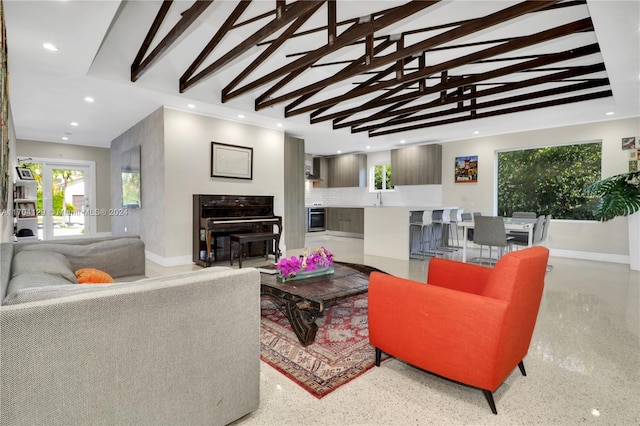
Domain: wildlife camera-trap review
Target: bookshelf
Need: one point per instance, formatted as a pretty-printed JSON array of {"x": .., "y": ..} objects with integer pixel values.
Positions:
[{"x": 25, "y": 201}]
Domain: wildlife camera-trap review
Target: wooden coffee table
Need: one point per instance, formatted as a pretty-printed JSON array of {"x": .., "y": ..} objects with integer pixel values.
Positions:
[{"x": 305, "y": 300}]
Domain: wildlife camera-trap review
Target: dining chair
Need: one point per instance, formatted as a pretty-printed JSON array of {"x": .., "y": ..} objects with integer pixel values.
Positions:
[
  {"x": 468, "y": 217},
  {"x": 545, "y": 233},
  {"x": 490, "y": 231},
  {"x": 522, "y": 238}
]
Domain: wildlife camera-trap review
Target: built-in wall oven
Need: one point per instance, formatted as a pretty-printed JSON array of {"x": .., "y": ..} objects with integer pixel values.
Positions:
[{"x": 315, "y": 219}]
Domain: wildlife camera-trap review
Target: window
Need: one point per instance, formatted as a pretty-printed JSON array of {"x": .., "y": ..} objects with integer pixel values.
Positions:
[
  {"x": 381, "y": 178},
  {"x": 549, "y": 180}
]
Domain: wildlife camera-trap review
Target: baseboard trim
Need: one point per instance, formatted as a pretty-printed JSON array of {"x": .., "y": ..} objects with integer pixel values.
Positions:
[
  {"x": 587, "y": 255},
  {"x": 168, "y": 261}
]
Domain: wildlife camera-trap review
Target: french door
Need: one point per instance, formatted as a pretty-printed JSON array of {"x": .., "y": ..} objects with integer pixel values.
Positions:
[{"x": 68, "y": 201}]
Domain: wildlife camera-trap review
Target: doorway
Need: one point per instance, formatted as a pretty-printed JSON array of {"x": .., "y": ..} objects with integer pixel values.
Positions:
[{"x": 66, "y": 201}]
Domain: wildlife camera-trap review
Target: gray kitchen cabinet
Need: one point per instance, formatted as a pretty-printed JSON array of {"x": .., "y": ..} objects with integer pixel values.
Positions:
[
  {"x": 345, "y": 219},
  {"x": 294, "y": 211},
  {"x": 347, "y": 170},
  {"x": 417, "y": 165}
]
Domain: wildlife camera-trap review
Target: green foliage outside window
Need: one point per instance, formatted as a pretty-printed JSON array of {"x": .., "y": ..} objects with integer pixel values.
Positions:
[
  {"x": 380, "y": 171},
  {"x": 550, "y": 180}
]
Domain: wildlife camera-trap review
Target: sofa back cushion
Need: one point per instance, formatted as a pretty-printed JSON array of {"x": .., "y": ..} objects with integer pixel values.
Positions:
[
  {"x": 117, "y": 257},
  {"x": 47, "y": 292},
  {"x": 33, "y": 261}
]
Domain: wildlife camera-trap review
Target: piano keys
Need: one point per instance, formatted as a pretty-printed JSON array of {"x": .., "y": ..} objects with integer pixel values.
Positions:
[{"x": 215, "y": 217}]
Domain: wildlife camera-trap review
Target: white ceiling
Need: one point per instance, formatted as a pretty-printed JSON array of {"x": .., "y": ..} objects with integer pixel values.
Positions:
[{"x": 98, "y": 40}]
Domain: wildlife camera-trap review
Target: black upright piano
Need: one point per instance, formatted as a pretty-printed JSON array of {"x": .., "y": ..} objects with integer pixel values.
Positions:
[{"x": 215, "y": 217}]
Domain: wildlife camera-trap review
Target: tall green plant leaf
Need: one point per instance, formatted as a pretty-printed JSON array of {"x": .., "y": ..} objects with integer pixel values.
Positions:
[{"x": 619, "y": 196}]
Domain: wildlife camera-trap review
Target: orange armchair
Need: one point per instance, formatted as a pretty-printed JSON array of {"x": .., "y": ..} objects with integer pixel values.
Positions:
[{"x": 469, "y": 323}]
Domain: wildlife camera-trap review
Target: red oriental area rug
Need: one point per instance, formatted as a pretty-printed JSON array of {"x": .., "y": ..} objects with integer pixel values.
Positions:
[{"x": 340, "y": 353}]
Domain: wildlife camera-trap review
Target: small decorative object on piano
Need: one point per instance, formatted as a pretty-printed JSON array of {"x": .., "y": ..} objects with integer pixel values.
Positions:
[{"x": 319, "y": 262}]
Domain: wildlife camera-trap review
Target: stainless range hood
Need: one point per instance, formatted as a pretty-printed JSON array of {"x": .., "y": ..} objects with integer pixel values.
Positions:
[{"x": 312, "y": 169}]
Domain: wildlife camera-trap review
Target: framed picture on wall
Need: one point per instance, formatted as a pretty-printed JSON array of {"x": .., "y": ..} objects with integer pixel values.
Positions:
[
  {"x": 24, "y": 173},
  {"x": 466, "y": 169},
  {"x": 231, "y": 161}
]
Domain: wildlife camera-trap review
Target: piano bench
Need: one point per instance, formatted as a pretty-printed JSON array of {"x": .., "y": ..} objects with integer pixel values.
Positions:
[{"x": 242, "y": 239}]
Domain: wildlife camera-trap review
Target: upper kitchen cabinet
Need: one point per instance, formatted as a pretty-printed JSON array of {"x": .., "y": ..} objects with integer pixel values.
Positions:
[
  {"x": 347, "y": 170},
  {"x": 417, "y": 165}
]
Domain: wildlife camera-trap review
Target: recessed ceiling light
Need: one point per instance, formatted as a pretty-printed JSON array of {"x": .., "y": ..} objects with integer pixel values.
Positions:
[
  {"x": 610, "y": 113},
  {"x": 240, "y": 116},
  {"x": 368, "y": 147},
  {"x": 64, "y": 138},
  {"x": 476, "y": 132},
  {"x": 279, "y": 124},
  {"x": 74, "y": 124},
  {"x": 402, "y": 141},
  {"x": 50, "y": 47},
  {"x": 339, "y": 152},
  {"x": 89, "y": 100},
  {"x": 191, "y": 106}
]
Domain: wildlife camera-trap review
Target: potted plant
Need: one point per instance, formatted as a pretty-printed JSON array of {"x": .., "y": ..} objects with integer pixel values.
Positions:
[{"x": 620, "y": 196}]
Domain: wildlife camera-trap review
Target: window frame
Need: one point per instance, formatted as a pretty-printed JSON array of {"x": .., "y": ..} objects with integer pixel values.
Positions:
[
  {"x": 372, "y": 178},
  {"x": 535, "y": 147}
]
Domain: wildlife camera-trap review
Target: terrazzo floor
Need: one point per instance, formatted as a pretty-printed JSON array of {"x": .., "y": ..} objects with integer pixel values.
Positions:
[{"x": 583, "y": 365}]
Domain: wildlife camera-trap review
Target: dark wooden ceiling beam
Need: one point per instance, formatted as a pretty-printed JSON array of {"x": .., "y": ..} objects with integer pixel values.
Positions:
[
  {"x": 510, "y": 110},
  {"x": 540, "y": 37},
  {"x": 266, "y": 53},
  {"x": 355, "y": 32},
  {"x": 448, "y": 36},
  {"x": 332, "y": 26},
  {"x": 490, "y": 104},
  {"x": 559, "y": 77},
  {"x": 139, "y": 65},
  {"x": 217, "y": 38},
  {"x": 292, "y": 12},
  {"x": 375, "y": 78},
  {"x": 386, "y": 43}
]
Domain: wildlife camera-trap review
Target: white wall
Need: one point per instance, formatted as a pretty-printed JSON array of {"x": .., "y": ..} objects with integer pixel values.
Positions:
[
  {"x": 187, "y": 162},
  {"x": 605, "y": 241}
]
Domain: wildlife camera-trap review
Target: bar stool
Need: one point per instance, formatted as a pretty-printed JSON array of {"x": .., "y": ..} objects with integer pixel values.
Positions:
[
  {"x": 440, "y": 221},
  {"x": 425, "y": 222},
  {"x": 453, "y": 225}
]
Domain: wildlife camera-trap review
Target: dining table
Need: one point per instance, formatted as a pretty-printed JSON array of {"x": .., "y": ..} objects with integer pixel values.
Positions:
[{"x": 510, "y": 224}]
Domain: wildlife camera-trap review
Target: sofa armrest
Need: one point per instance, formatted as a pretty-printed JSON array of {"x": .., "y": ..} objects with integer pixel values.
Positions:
[
  {"x": 455, "y": 275},
  {"x": 181, "y": 351},
  {"x": 436, "y": 328}
]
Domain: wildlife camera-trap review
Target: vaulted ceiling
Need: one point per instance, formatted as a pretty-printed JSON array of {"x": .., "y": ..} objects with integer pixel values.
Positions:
[
  {"x": 346, "y": 74},
  {"x": 421, "y": 73}
]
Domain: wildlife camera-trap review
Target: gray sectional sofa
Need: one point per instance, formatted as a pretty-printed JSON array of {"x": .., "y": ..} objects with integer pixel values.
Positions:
[{"x": 173, "y": 350}]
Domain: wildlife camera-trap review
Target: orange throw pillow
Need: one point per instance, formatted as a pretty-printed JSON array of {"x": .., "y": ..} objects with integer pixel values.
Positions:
[{"x": 93, "y": 276}]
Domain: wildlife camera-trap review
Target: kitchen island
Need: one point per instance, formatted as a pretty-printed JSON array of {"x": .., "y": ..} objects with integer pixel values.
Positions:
[{"x": 386, "y": 229}]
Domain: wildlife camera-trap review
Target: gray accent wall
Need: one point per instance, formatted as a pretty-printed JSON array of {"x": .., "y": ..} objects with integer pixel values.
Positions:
[
  {"x": 176, "y": 163},
  {"x": 149, "y": 220}
]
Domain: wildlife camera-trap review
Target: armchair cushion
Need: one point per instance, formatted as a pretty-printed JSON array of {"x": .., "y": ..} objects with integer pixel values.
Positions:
[{"x": 466, "y": 277}]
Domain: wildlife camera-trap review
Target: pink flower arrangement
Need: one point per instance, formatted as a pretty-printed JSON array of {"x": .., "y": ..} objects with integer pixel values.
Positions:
[{"x": 320, "y": 257}]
